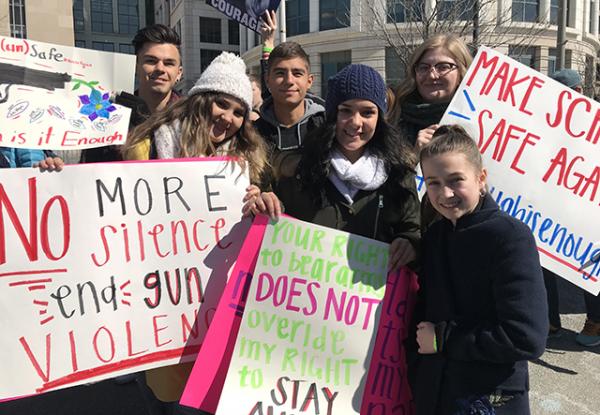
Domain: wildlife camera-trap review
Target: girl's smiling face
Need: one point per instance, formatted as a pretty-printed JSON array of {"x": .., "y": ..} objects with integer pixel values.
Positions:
[
  {"x": 454, "y": 184},
  {"x": 355, "y": 126},
  {"x": 437, "y": 76},
  {"x": 227, "y": 116}
]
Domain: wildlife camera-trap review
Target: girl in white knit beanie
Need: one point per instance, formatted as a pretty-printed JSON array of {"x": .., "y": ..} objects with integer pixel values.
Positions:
[{"x": 212, "y": 120}]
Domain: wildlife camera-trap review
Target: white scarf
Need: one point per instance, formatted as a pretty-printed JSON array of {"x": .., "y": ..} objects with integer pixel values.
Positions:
[
  {"x": 367, "y": 173},
  {"x": 167, "y": 139}
]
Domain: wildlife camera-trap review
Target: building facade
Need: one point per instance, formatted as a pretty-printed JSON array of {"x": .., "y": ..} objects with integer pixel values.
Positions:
[
  {"x": 109, "y": 25},
  {"x": 204, "y": 31},
  {"x": 45, "y": 21},
  {"x": 338, "y": 32}
]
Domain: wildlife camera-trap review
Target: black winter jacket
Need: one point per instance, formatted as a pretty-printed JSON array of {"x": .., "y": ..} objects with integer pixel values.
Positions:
[
  {"x": 482, "y": 286},
  {"x": 384, "y": 214},
  {"x": 284, "y": 143}
]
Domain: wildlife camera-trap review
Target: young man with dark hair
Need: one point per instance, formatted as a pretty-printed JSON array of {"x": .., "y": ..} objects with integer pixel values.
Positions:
[
  {"x": 158, "y": 69},
  {"x": 158, "y": 66},
  {"x": 288, "y": 114}
]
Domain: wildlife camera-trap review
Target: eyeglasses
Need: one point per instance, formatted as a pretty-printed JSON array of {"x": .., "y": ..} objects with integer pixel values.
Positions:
[{"x": 440, "y": 68}]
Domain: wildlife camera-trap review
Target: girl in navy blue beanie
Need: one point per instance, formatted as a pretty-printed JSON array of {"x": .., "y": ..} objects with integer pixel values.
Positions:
[{"x": 355, "y": 173}]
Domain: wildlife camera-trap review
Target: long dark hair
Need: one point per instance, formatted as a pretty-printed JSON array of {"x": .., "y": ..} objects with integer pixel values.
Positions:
[
  {"x": 387, "y": 144},
  {"x": 194, "y": 113}
]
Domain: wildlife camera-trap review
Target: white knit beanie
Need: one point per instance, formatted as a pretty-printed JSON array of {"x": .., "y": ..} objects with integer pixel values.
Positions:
[{"x": 226, "y": 73}]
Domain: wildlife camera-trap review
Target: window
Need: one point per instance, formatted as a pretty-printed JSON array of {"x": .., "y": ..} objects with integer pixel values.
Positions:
[
  {"x": 455, "y": 9},
  {"x": 525, "y": 55},
  {"x": 78, "y": 18},
  {"x": 525, "y": 10},
  {"x": 334, "y": 14},
  {"x": 552, "y": 57},
  {"x": 554, "y": 11},
  {"x": 206, "y": 57},
  {"x": 80, "y": 43},
  {"x": 332, "y": 63},
  {"x": 400, "y": 11},
  {"x": 18, "y": 26},
  {"x": 102, "y": 16},
  {"x": 106, "y": 46},
  {"x": 126, "y": 48},
  {"x": 395, "y": 72},
  {"x": 296, "y": 17},
  {"x": 234, "y": 32},
  {"x": 128, "y": 16},
  {"x": 210, "y": 30}
]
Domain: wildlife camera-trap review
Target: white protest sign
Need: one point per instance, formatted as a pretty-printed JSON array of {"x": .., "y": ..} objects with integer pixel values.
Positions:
[
  {"x": 540, "y": 143},
  {"x": 309, "y": 324},
  {"x": 57, "y": 97},
  {"x": 112, "y": 268}
]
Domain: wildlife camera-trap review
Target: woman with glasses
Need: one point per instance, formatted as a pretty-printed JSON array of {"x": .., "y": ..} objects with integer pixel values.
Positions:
[{"x": 436, "y": 69}]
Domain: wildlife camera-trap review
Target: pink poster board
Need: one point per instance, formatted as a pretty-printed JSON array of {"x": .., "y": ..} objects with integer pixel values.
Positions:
[
  {"x": 386, "y": 389},
  {"x": 206, "y": 381}
]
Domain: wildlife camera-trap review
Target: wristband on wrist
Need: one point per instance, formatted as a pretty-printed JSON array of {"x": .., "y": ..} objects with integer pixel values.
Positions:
[
  {"x": 267, "y": 49},
  {"x": 435, "y": 348}
]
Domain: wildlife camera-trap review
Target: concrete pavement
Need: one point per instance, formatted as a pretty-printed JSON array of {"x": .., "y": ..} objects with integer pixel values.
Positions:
[{"x": 566, "y": 379}]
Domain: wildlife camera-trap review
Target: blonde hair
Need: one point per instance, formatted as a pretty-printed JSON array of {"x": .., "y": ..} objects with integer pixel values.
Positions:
[
  {"x": 452, "y": 44},
  {"x": 194, "y": 114}
]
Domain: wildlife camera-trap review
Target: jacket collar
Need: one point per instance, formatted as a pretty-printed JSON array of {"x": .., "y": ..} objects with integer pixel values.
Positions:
[{"x": 487, "y": 207}]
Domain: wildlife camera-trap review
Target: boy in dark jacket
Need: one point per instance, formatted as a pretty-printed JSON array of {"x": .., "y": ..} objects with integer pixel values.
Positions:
[
  {"x": 158, "y": 69},
  {"x": 288, "y": 114}
]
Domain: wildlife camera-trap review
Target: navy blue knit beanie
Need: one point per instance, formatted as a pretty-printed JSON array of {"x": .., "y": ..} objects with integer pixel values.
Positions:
[{"x": 355, "y": 81}]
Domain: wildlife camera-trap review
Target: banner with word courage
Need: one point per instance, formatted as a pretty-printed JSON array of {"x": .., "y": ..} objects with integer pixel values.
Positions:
[
  {"x": 111, "y": 268},
  {"x": 57, "y": 97},
  {"x": 540, "y": 143},
  {"x": 246, "y": 12},
  {"x": 309, "y": 326}
]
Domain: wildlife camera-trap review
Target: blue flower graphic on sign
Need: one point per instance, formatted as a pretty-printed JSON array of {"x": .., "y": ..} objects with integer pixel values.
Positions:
[{"x": 96, "y": 105}]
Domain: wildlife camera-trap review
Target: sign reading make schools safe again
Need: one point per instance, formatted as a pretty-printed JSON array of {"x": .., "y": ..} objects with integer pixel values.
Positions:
[{"x": 540, "y": 142}]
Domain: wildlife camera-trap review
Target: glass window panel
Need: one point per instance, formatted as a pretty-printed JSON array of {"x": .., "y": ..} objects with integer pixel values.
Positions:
[
  {"x": 102, "y": 16},
  {"x": 332, "y": 63},
  {"x": 525, "y": 10},
  {"x": 234, "y": 32},
  {"x": 206, "y": 57},
  {"x": 297, "y": 17},
  {"x": 106, "y": 46},
  {"x": 18, "y": 23},
  {"x": 210, "y": 30},
  {"x": 334, "y": 14}
]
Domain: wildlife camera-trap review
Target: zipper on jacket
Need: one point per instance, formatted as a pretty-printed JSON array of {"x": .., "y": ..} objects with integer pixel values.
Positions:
[{"x": 379, "y": 207}]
